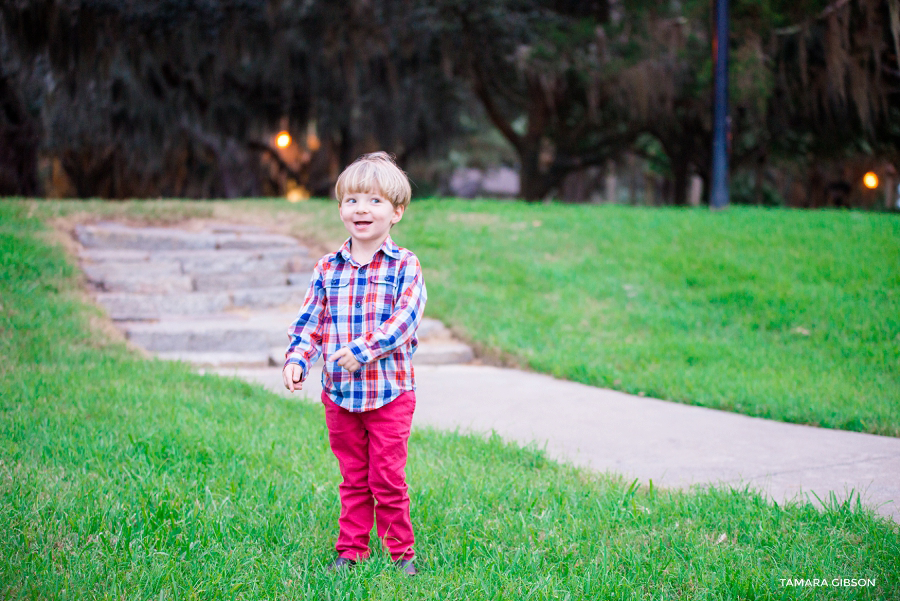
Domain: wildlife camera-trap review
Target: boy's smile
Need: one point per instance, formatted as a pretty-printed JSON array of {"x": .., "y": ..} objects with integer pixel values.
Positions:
[{"x": 368, "y": 217}]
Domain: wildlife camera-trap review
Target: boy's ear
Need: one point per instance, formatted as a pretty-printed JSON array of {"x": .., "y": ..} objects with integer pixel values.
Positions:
[{"x": 398, "y": 214}]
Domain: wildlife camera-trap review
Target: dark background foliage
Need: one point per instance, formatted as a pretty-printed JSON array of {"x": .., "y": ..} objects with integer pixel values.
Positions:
[{"x": 182, "y": 98}]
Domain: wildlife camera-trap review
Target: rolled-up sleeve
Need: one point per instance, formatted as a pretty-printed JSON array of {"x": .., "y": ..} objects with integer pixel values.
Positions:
[
  {"x": 401, "y": 326},
  {"x": 306, "y": 332}
]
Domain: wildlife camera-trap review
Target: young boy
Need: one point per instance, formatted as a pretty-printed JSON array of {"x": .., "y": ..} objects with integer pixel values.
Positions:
[{"x": 362, "y": 309}]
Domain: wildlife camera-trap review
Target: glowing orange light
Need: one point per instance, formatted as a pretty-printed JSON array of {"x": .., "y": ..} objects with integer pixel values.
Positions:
[
  {"x": 870, "y": 180},
  {"x": 313, "y": 142},
  {"x": 283, "y": 140}
]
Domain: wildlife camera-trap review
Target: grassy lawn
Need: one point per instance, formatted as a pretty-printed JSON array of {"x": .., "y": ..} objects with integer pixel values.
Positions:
[
  {"x": 788, "y": 315},
  {"x": 122, "y": 477}
]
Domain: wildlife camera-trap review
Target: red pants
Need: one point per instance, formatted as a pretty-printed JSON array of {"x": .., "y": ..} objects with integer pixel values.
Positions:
[{"x": 371, "y": 449}]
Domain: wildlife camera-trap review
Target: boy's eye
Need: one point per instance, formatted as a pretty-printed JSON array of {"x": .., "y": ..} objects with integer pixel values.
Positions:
[{"x": 375, "y": 200}]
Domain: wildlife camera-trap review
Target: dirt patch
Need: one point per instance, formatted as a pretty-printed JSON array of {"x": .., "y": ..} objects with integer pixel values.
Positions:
[
  {"x": 305, "y": 227},
  {"x": 60, "y": 234},
  {"x": 314, "y": 224},
  {"x": 297, "y": 225}
]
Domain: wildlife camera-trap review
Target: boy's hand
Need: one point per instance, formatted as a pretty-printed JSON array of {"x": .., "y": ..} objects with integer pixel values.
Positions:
[
  {"x": 345, "y": 359},
  {"x": 293, "y": 377}
]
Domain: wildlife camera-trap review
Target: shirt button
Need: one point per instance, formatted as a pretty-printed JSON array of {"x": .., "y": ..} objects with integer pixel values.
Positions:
[{"x": 358, "y": 305}]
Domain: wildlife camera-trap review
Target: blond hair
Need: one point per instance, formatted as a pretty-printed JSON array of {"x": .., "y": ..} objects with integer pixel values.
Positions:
[{"x": 375, "y": 172}]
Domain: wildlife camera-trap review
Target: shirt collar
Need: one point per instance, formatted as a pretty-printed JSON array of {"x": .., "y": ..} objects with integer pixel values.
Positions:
[{"x": 388, "y": 247}]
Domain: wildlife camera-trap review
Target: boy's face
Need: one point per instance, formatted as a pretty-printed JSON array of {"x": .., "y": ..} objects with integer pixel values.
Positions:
[{"x": 368, "y": 216}]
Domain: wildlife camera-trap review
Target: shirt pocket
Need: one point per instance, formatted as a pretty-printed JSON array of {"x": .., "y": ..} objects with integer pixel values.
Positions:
[
  {"x": 337, "y": 295},
  {"x": 380, "y": 297}
]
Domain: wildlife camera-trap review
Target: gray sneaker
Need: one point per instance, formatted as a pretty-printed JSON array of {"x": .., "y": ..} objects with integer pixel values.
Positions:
[
  {"x": 340, "y": 564},
  {"x": 407, "y": 566}
]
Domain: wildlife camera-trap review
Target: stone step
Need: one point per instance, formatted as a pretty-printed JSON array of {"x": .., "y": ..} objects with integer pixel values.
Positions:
[
  {"x": 221, "y": 333},
  {"x": 431, "y": 329},
  {"x": 299, "y": 279},
  {"x": 444, "y": 352},
  {"x": 113, "y": 255},
  {"x": 223, "y": 359},
  {"x": 240, "y": 228},
  {"x": 254, "y": 241},
  {"x": 157, "y": 269},
  {"x": 264, "y": 331},
  {"x": 267, "y": 298},
  {"x": 132, "y": 306},
  {"x": 217, "y": 282},
  {"x": 222, "y": 296},
  {"x": 164, "y": 278},
  {"x": 199, "y": 259},
  {"x": 140, "y": 283},
  {"x": 292, "y": 259},
  {"x": 118, "y": 236},
  {"x": 170, "y": 276}
]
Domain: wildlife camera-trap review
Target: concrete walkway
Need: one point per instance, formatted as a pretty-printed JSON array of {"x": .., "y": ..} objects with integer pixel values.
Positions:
[
  {"x": 674, "y": 445},
  {"x": 221, "y": 296}
]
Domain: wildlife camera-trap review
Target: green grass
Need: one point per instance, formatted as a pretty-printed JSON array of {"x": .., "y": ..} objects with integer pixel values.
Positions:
[
  {"x": 787, "y": 315},
  {"x": 122, "y": 477}
]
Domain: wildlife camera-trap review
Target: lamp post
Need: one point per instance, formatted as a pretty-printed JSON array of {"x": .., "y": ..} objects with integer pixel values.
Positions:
[{"x": 719, "y": 193}]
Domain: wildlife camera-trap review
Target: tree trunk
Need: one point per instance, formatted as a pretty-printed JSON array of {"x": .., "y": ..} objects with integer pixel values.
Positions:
[
  {"x": 681, "y": 177},
  {"x": 90, "y": 171},
  {"x": 759, "y": 175},
  {"x": 533, "y": 184},
  {"x": 680, "y": 154},
  {"x": 19, "y": 141}
]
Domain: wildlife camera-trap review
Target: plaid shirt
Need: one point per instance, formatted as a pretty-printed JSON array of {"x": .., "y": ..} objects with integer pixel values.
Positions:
[{"x": 374, "y": 311}]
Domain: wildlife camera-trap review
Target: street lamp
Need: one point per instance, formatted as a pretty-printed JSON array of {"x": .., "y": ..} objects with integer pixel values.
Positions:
[
  {"x": 283, "y": 140},
  {"x": 870, "y": 180}
]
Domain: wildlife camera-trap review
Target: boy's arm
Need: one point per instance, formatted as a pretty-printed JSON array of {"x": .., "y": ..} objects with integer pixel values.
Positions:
[
  {"x": 401, "y": 325},
  {"x": 306, "y": 332}
]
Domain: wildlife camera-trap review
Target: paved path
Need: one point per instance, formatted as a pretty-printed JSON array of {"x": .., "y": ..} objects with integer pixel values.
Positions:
[
  {"x": 674, "y": 445},
  {"x": 221, "y": 296}
]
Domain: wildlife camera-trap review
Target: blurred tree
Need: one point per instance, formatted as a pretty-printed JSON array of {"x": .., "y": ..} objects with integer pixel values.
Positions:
[
  {"x": 808, "y": 79},
  {"x": 574, "y": 84},
  {"x": 836, "y": 68},
  {"x": 537, "y": 67},
  {"x": 19, "y": 128},
  {"x": 181, "y": 97}
]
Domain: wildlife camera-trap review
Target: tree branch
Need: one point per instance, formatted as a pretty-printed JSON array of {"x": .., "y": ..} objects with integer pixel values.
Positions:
[{"x": 479, "y": 82}]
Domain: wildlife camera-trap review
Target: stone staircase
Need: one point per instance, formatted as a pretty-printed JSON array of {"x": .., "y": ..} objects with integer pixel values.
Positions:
[{"x": 219, "y": 296}]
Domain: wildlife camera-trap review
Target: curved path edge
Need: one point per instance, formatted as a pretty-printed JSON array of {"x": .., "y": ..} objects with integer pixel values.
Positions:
[{"x": 673, "y": 445}]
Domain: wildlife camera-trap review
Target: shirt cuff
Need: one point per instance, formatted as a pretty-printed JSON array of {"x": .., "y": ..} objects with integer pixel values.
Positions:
[
  {"x": 359, "y": 350},
  {"x": 297, "y": 361}
]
